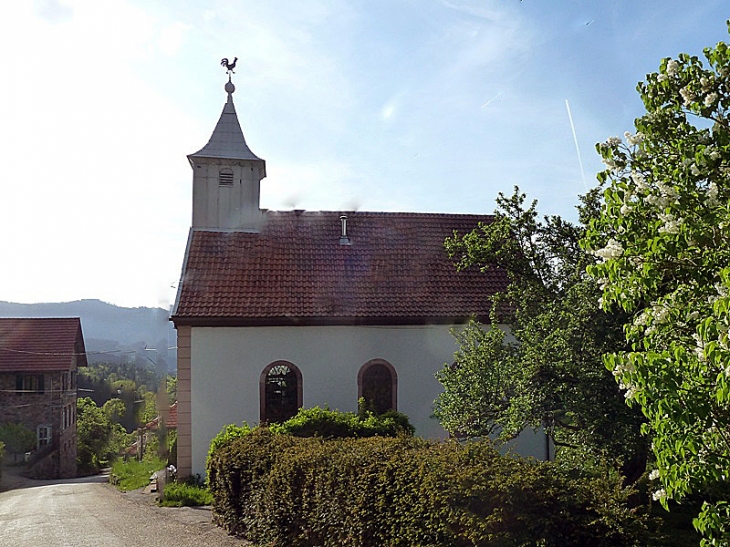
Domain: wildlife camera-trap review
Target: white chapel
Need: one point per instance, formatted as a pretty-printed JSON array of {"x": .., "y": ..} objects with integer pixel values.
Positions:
[{"x": 277, "y": 310}]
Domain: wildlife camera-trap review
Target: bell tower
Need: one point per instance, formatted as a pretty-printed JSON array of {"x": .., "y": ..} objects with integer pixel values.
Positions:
[{"x": 227, "y": 177}]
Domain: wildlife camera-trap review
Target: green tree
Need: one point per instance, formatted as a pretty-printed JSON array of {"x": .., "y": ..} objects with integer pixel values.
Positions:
[
  {"x": 98, "y": 437},
  {"x": 18, "y": 439},
  {"x": 171, "y": 388},
  {"x": 547, "y": 371},
  {"x": 662, "y": 237}
]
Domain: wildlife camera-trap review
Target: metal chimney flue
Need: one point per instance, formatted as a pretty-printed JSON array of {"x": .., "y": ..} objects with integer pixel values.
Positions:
[{"x": 344, "y": 238}]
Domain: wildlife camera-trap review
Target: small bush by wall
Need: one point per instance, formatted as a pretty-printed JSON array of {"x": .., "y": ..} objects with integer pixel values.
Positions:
[
  {"x": 179, "y": 494},
  {"x": 277, "y": 489},
  {"x": 331, "y": 424}
]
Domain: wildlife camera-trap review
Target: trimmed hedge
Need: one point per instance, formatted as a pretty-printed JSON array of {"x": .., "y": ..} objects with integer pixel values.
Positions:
[{"x": 281, "y": 490}]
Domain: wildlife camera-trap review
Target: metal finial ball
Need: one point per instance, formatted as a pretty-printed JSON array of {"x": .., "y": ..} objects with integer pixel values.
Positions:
[{"x": 230, "y": 88}]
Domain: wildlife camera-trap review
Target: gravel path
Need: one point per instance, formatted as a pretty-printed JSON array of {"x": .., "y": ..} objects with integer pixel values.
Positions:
[{"x": 89, "y": 512}]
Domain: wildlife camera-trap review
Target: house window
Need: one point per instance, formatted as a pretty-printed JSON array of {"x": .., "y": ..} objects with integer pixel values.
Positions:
[
  {"x": 225, "y": 177},
  {"x": 29, "y": 383},
  {"x": 377, "y": 386},
  {"x": 280, "y": 392},
  {"x": 64, "y": 381},
  {"x": 44, "y": 435}
]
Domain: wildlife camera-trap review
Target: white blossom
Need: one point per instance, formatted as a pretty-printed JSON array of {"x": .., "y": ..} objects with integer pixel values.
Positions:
[
  {"x": 687, "y": 96},
  {"x": 721, "y": 289},
  {"x": 712, "y": 191},
  {"x": 640, "y": 180},
  {"x": 625, "y": 209},
  {"x": 660, "y": 314},
  {"x": 633, "y": 140},
  {"x": 662, "y": 78},
  {"x": 667, "y": 190},
  {"x": 654, "y": 475},
  {"x": 613, "y": 141},
  {"x": 672, "y": 67},
  {"x": 660, "y": 201},
  {"x": 642, "y": 318},
  {"x": 613, "y": 249},
  {"x": 671, "y": 224},
  {"x": 695, "y": 170},
  {"x": 711, "y": 99},
  {"x": 659, "y": 494},
  {"x": 699, "y": 348}
]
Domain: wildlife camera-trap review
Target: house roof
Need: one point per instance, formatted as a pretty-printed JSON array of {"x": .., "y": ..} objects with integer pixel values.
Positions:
[
  {"x": 41, "y": 344},
  {"x": 295, "y": 271},
  {"x": 171, "y": 419}
]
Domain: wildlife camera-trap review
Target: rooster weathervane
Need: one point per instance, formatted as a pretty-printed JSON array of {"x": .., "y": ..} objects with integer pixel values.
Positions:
[{"x": 229, "y": 66}]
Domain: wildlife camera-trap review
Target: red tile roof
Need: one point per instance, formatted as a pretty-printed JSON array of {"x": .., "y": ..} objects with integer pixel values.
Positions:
[
  {"x": 171, "y": 419},
  {"x": 41, "y": 344},
  {"x": 295, "y": 271}
]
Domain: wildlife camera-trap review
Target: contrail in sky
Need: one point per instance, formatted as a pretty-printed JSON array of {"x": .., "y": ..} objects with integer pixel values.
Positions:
[
  {"x": 495, "y": 97},
  {"x": 577, "y": 149}
]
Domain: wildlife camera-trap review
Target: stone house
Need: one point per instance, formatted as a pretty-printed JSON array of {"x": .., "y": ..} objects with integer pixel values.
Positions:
[
  {"x": 279, "y": 310},
  {"x": 39, "y": 359}
]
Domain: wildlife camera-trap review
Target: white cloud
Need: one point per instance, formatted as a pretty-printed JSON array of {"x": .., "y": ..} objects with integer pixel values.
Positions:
[{"x": 172, "y": 37}]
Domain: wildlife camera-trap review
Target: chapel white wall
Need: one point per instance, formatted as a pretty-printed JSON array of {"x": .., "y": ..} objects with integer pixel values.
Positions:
[{"x": 227, "y": 363}]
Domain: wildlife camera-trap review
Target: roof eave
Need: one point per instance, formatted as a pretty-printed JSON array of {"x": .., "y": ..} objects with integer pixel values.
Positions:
[{"x": 289, "y": 321}]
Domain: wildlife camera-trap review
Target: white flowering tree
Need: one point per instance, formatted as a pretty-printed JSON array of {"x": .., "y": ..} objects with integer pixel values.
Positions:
[{"x": 663, "y": 238}]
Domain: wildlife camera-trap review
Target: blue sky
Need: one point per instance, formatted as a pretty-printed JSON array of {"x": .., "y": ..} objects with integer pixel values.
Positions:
[{"x": 385, "y": 105}]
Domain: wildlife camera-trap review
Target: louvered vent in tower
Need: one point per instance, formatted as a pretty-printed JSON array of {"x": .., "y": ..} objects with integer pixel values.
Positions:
[{"x": 225, "y": 177}]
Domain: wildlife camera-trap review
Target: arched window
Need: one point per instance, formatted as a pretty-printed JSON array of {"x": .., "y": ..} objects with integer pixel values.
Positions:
[
  {"x": 377, "y": 384},
  {"x": 280, "y": 392}
]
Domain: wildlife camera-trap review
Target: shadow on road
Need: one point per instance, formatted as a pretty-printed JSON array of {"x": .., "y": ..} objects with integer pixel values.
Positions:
[{"x": 12, "y": 479}]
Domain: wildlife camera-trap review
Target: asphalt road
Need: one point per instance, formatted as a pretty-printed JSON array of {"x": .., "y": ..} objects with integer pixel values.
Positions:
[{"x": 89, "y": 512}]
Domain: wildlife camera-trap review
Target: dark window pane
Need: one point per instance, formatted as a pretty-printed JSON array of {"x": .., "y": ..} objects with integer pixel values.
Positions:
[
  {"x": 377, "y": 389},
  {"x": 281, "y": 394}
]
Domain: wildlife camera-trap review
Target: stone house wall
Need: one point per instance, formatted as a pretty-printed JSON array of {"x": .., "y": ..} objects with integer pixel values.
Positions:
[{"x": 55, "y": 406}]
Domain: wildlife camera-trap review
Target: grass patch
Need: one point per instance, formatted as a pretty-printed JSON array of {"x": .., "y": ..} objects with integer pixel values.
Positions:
[
  {"x": 184, "y": 495},
  {"x": 132, "y": 474}
]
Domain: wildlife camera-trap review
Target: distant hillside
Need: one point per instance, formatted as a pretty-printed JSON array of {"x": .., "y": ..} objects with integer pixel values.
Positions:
[{"x": 112, "y": 333}]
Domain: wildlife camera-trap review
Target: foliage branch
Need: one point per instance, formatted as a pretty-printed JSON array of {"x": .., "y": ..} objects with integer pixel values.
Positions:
[{"x": 547, "y": 372}]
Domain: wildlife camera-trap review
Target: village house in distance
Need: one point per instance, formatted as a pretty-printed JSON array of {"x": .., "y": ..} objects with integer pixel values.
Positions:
[
  {"x": 279, "y": 310},
  {"x": 39, "y": 359}
]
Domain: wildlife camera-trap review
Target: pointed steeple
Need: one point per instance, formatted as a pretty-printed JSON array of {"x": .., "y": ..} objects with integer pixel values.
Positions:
[
  {"x": 227, "y": 140},
  {"x": 227, "y": 176}
]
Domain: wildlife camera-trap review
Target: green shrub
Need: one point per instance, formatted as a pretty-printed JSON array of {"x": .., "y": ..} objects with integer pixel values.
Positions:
[
  {"x": 333, "y": 424},
  {"x": 178, "y": 494},
  {"x": 283, "y": 490},
  {"x": 225, "y": 436}
]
